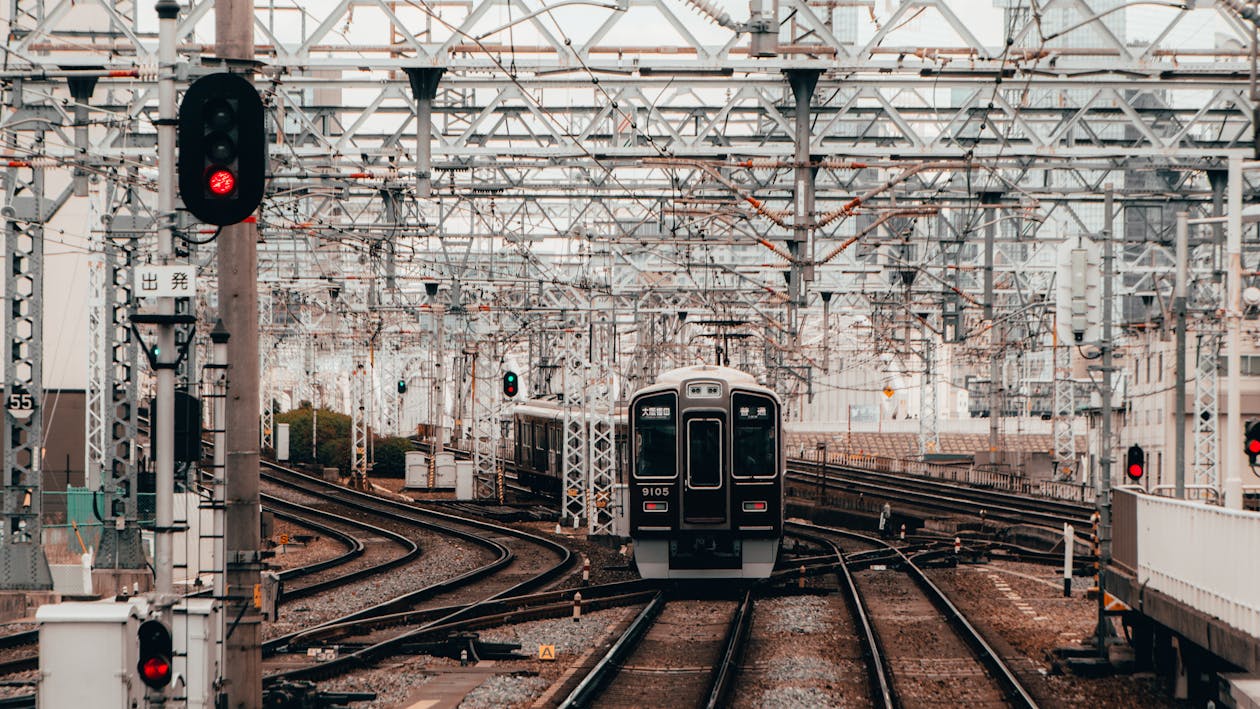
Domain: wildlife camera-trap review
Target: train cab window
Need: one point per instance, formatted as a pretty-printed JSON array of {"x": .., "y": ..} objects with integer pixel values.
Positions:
[
  {"x": 704, "y": 453},
  {"x": 656, "y": 436},
  {"x": 755, "y": 444}
]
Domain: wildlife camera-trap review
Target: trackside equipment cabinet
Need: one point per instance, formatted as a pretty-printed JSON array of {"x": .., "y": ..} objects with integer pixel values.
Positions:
[{"x": 87, "y": 655}]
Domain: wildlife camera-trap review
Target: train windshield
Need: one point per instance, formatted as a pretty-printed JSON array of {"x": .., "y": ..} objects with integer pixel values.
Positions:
[
  {"x": 704, "y": 453},
  {"x": 755, "y": 444},
  {"x": 656, "y": 436}
]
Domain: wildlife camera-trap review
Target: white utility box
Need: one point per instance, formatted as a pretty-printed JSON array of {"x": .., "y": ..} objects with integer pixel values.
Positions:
[
  {"x": 417, "y": 470},
  {"x": 445, "y": 470},
  {"x": 88, "y": 654},
  {"x": 464, "y": 480},
  {"x": 196, "y": 633},
  {"x": 282, "y": 442}
]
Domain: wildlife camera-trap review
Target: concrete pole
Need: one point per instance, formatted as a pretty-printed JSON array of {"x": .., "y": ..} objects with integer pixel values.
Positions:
[
  {"x": 238, "y": 309},
  {"x": 1103, "y": 633},
  {"x": 995, "y": 339},
  {"x": 218, "y": 364},
  {"x": 439, "y": 378},
  {"x": 1179, "y": 308},
  {"x": 1232, "y": 457},
  {"x": 801, "y": 247},
  {"x": 164, "y": 422},
  {"x": 826, "y": 299}
]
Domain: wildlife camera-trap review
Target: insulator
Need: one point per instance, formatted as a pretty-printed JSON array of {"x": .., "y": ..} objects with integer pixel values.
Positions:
[
  {"x": 704, "y": 7},
  {"x": 148, "y": 70}
]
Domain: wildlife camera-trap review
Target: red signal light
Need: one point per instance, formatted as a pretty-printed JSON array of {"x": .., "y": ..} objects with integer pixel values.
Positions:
[
  {"x": 1253, "y": 446},
  {"x": 154, "y": 663},
  {"x": 156, "y": 671},
  {"x": 221, "y": 182},
  {"x": 1135, "y": 471}
]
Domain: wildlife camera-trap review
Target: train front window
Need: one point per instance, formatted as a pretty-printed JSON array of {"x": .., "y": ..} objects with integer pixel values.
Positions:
[
  {"x": 755, "y": 444},
  {"x": 704, "y": 453},
  {"x": 656, "y": 437}
]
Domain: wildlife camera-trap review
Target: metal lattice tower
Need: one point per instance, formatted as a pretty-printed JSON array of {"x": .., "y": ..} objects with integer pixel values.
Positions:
[
  {"x": 486, "y": 403},
  {"x": 97, "y": 391},
  {"x": 1206, "y": 470},
  {"x": 268, "y": 353},
  {"x": 22, "y": 561},
  {"x": 601, "y": 400},
  {"x": 1064, "y": 412},
  {"x": 360, "y": 390},
  {"x": 929, "y": 425},
  {"x": 572, "y": 355}
]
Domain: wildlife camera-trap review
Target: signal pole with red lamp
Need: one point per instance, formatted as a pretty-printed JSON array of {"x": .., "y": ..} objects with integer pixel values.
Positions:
[
  {"x": 1135, "y": 463},
  {"x": 1252, "y": 444}
]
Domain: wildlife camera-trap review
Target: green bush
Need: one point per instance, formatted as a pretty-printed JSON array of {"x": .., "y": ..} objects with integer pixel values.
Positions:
[
  {"x": 391, "y": 456},
  {"x": 332, "y": 437},
  {"x": 332, "y": 441}
]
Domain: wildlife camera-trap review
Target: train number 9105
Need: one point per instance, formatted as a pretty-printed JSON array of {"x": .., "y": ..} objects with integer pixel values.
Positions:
[{"x": 655, "y": 491}]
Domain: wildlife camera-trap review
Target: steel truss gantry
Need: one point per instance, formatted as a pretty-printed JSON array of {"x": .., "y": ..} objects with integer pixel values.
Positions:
[
  {"x": 1206, "y": 468},
  {"x": 601, "y": 431},
  {"x": 571, "y": 351},
  {"x": 1064, "y": 413},
  {"x": 683, "y": 157},
  {"x": 23, "y": 564},
  {"x": 929, "y": 426},
  {"x": 360, "y": 394},
  {"x": 487, "y": 404}
]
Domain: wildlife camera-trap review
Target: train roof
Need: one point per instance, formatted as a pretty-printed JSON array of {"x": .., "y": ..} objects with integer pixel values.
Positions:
[
  {"x": 548, "y": 409},
  {"x": 733, "y": 378},
  {"x": 707, "y": 371}
]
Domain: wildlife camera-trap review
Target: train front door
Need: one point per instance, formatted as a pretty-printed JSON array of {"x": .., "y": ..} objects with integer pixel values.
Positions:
[{"x": 704, "y": 491}]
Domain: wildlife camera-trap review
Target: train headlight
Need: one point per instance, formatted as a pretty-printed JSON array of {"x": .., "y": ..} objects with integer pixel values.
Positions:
[
  {"x": 757, "y": 506},
  {"x": 655, "y": 506}
]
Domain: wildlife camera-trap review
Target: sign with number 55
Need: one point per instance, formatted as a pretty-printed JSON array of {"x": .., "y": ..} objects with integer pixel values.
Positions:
[{"x": 20, "y": 404}]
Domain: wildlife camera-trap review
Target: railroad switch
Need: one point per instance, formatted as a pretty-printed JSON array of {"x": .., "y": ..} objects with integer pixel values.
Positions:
[
  {"x": 304, "y": 695},
  {"x": 465, "y": 647}
]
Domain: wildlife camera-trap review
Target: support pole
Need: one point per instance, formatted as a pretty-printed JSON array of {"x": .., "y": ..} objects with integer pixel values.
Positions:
[
  {"x": 995, "y": 338},
  {"x": 800, "y": 246},
  {"x": 424, "y": 84},
  {"x": 1232, "y": 458},
  {"x": 1069, "y": 548},
  {"x": 1179, "y": 308},
  {"x": 1103, "y": 631},
  {"x": 238, "y": 308},
  {"x": 164, "y": 422}
]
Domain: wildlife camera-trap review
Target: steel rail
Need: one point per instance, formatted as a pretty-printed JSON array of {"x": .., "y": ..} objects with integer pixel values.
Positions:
[
  {"x": 1015, "y": 691},
  {"x": 945, "y": 498},
  {"x": 732, "y": 653},
  {"x": 988, "y": 495},
  {"x": 587, "y": 691},
  {"x": 411, "y": 552},
  {"x": 370, "y": 654},
  {"x": 883, "y": 693}
]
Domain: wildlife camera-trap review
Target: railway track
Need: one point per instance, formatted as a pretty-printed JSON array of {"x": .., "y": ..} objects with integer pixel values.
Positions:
[
  {"x": 13, "y": 660},
  {"x": 309, "y": 517},
  {"x": 923, "y": 655},
  {"x": 682, "y": 652},
  {"x": 938, "y": 495},
  {"x": 521, "y": 562}
]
